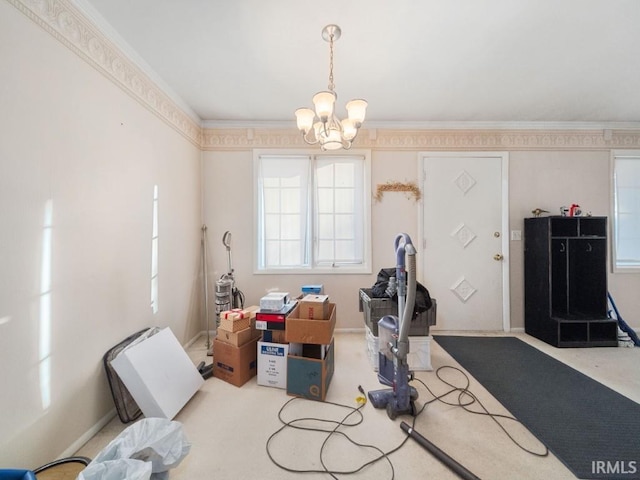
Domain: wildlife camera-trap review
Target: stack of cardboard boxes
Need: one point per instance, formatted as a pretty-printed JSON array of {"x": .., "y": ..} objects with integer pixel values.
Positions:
[
  {"x": 311, "y": 358},
  {"x": 273, "y": 348},
  {"x": 288, "y": 343},
  {"x": 234, "y": 348}
]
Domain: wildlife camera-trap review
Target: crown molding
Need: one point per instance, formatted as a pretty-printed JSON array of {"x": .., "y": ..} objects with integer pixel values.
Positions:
[
  {"x": 105, "y": 28},
  {"x": 440, "y": 140},
  {"x": 69, "y": 25},
  {"x": 431, "y": 125}
]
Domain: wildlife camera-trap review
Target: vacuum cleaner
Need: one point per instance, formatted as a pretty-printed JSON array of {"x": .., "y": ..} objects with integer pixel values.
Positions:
[
  {"x": 393, "y": 370},
  {"x": 393, "y": 339},
  {"x": 227, "y": 294}
]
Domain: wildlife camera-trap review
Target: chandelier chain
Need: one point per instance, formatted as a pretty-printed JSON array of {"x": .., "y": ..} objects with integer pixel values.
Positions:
[{"x": 331, "y": 84}]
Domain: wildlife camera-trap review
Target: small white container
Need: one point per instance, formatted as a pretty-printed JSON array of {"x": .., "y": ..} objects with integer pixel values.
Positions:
[
  {"x": 419, "y": 357},
  {"x": 274, "y": 301}
]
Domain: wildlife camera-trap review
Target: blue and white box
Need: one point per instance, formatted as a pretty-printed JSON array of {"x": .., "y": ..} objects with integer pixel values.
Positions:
[
  {"x": 313, "y": 289},
  {"x": 272, "y": 364}
]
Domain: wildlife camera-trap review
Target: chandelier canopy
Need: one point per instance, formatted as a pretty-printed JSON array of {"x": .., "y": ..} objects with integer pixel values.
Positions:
[{"x": 322, "y": 125}]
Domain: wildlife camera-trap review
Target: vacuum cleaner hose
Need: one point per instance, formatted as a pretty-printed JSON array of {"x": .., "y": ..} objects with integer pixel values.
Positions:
[
  {"x": 456, "y": 467},
  {"x": 410, "y": 300}
]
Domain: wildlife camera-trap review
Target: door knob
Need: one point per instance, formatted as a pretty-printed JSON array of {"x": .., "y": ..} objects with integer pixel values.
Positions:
[{"x": 497, "y": 257}]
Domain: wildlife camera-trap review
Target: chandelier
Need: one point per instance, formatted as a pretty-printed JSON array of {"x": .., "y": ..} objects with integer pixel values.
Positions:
[{"x": 322, "y": 125}]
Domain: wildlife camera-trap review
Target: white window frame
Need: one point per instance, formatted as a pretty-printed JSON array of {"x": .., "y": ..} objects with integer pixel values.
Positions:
[
  {"x": 365, "y": 267},
  {"x": 616, "y": 266}
]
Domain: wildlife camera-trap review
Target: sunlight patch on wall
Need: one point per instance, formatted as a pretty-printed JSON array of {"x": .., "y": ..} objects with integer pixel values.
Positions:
[
  {"x": 44, "y": 351},
  {"x": 154, "y": 253},
  {"x": 4, "y": 320}
]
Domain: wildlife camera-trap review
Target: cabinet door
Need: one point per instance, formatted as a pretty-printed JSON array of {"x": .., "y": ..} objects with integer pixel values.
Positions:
[
  {"x": 587, "y": 277},
  {"x": 559, "y": 283}
]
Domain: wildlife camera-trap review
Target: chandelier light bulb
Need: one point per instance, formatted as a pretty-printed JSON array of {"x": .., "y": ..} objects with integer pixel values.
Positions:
[
  {"x": 304, "y": 119},
  {"x": 356, "y": 110},
  {"x": 324, "y": 102},
  {"x": 349, "y": 130}
]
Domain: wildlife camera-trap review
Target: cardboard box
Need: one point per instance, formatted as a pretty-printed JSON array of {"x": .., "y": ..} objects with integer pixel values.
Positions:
[
  {"x": 237, "y": 319},
  {"x": 272, "y": 364},
  {"x": 266, "y": 325},
  {"x": 235, "y": 365},
  {"x": 309, "y": 377},
  {"x": 308, "y": 350},
  {"x": 315, "y": 307},
  {"x": 159, "y": 374},
  {"x": 301, "y": 330},
  {"x": 274, "y": 336},
  {"x": 274, "y": 319},
  {"x": 239, "y": 338},
  {"x": 313, "y": 350}
]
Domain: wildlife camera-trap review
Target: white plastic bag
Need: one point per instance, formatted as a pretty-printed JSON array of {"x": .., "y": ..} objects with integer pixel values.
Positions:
[
  {"x": 117, "y": 470},
  {"x": 158, "y": 441}
]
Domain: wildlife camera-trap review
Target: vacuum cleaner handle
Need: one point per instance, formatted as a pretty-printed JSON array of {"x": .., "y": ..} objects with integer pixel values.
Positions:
[
  {"x": 400, "y": 243},
  {"x": 404, "y": 247}
]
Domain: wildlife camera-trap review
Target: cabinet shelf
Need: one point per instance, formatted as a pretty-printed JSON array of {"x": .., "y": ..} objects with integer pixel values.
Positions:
[{"x": 566, "y": 281}]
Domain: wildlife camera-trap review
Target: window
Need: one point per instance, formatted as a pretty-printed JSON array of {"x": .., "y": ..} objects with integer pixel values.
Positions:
[
  {"x": 312, "y": 213},
  {"x": 626, "y": 210}
]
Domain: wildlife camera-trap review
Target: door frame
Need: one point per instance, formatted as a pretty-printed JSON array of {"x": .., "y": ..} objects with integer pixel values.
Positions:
[{"x": 504, "y": 156}]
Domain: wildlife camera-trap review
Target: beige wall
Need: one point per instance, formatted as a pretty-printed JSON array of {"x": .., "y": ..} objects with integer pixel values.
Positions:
[
  {"x": 228, "y": 205},
  {"x": 541, "y": 177},
  {"x": 70, "y": 137},
  {"x": 549, "y": 179}
]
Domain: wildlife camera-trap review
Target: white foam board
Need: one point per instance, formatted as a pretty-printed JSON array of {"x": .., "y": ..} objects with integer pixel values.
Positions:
[{"x": 159, "y": 374}]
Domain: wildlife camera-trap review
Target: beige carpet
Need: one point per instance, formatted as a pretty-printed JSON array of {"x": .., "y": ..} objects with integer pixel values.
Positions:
[{"x": 228, "y": 427}]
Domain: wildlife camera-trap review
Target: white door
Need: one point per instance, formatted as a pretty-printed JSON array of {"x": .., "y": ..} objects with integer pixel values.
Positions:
[{"x": 465, "y": 226}]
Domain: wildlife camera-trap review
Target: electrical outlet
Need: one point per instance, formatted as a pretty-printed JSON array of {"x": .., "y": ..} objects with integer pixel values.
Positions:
[{"x": 516, "y": 235}]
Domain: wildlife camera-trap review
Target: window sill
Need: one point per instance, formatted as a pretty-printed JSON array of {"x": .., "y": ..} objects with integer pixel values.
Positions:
[
  {"x": 315, "y": 271},
  {"x": 620, "y": 269}
]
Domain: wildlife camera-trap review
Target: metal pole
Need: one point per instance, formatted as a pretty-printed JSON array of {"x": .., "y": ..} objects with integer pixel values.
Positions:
[{"x": 206, "y": 288}]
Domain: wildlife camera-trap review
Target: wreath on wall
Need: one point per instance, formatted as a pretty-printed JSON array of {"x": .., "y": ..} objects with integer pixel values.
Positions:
[{"x": 410, "y": 188}]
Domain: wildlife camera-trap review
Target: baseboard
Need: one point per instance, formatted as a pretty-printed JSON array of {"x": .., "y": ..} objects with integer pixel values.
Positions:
[
  {"x": 213, "y": 334},
  {"x": 347, "y": 330},
  {"x": 198, "y": 336},
  {"x": 350, "y": 330},
  {"x": 88, "y": 435}
]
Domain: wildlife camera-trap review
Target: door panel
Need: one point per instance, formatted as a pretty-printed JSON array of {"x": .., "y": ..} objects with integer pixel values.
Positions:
[
  {"x": 559, "y": 268},
  {"x": 587, "y": 282},
  {"x": 463, "y": 231}
]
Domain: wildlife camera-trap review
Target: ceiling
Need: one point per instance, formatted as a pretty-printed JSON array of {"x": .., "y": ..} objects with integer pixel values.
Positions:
[{"x": 422, "y": 62}]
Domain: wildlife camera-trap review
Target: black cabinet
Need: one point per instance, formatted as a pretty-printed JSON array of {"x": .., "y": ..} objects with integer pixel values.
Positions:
[{"x": 565, "y": 281}]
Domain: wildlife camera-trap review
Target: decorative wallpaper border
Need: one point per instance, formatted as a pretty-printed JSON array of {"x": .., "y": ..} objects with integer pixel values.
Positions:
[
  {"x": 440, "y": 140},
  {"x": 71, "y": 27},
  {"x": 68, "y": 25}
]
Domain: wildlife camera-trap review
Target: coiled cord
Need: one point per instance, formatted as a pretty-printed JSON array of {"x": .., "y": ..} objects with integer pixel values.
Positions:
[{"x": 331, "y": 428}]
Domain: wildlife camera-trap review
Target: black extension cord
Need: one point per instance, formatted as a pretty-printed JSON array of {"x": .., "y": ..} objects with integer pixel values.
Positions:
[{"x": 465, "y": 399}]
